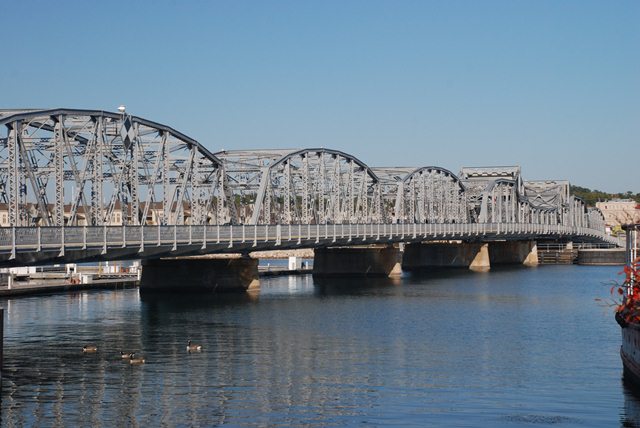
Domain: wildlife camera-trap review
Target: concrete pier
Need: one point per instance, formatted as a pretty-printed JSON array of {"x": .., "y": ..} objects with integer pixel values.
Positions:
[
  {"x": 356, "y": 261},
  {"x": 200, "y": 274},
  {"x": 440, "y": 255},
  {"x": 475, "y": 256},
  {"x": 514, "y": 252}
]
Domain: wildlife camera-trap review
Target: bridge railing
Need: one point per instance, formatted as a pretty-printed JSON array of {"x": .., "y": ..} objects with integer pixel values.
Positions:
[{"x": 25, "y": 245}]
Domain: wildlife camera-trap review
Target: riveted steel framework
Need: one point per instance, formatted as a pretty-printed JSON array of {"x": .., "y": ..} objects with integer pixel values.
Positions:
[
  {"x": 308, "y": 186},
  {"x": 90, "y": 167},
  {"x": 66, "y": 167},
  {"x": 423, "y": 195}
]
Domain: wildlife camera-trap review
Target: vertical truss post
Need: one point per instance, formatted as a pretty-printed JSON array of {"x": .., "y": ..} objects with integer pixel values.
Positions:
[
  {"x": 13, "y": 190},
  {"x": 305, "y": 188},
  {"x": 58, "y": 161},
  {"x": 287, "y": 192},
  {"x": 134, "y": 176}
]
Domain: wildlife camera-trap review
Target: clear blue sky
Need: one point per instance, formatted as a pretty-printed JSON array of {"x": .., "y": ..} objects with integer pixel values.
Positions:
[{"x": 553, "y": 86}]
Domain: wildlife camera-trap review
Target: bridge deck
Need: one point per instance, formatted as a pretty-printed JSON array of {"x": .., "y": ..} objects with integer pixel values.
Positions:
[{"x": 46, "y": 245}]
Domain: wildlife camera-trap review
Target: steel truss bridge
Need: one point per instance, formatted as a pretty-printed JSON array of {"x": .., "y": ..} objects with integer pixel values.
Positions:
[{"x": 90, "y": 185}]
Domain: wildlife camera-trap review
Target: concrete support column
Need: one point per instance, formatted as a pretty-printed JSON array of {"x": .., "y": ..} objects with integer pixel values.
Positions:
[
  {"x": 200, "y": 274},
  {"x": 356, "y": 261},
  {"x": 441, "y": 255},
  {"x": 481, "y": 262},
  {"x": 514, "y": 252}
]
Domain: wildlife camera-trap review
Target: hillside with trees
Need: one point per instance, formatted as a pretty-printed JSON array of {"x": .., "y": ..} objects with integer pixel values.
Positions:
[{"x": 593, "y": 196}]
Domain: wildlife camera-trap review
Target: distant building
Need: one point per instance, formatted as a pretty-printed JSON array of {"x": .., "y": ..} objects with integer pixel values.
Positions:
[{"x": 619, "y": 211}]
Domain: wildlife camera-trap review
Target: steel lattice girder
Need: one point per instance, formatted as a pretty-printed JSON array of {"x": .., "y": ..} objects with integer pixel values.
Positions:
[
  {"x": 73, "y": 167},
  {"x": 309, "y": 186},
  {"x": 94, "y": 167},
  {"x": 423, "y": 195}
]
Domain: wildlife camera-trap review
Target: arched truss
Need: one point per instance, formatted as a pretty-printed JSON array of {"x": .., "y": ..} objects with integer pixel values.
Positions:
[
  {"x": 552, "y": 194},
  {"x": 302, "y": 186},
  {"x": 423, "y": 195},
  {"x": 501, "y": 202},
  {"x": 94, "y": 167}
]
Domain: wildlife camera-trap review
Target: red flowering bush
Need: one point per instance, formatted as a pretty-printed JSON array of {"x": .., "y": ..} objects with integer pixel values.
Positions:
[{"x": 629, "y": 308}]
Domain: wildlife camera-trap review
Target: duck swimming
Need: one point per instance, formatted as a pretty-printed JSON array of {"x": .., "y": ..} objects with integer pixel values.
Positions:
[
  {"x": 134, "y": 360},
  {"x": 89, "y": 349},
  {"x": 193, "y": 347}
]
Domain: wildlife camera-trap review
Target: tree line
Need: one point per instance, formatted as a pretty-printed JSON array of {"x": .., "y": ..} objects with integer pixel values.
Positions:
[{"x": 592, "y": 196}]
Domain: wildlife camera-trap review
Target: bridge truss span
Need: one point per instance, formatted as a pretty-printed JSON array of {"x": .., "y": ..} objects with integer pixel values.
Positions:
[
  {"x": 87, "y": 182},
  {"x": 91, "y": 167},
  {"x": 306, "y": 186},
  {"x": 423, "y": 195}
]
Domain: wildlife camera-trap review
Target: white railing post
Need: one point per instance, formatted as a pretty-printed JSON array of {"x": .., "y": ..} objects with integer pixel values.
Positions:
[
  {"x": 124, "y": 236},
  {"x": 104, "y": 239},
  {"x": 255, "y": 235},
  {"x": 84, "y": 237},
  {"x": 61, "y": 241},
  {"x": 13, "y": 243},
  {"x": 175, "y": 238},
  {"x": 141, "y": 239},
  {"x": 230, "y": 236},
  {"x": 39, "y": 233}
]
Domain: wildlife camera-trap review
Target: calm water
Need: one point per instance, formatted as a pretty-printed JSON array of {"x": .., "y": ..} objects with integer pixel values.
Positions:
[{"x": 513, "y": 347}]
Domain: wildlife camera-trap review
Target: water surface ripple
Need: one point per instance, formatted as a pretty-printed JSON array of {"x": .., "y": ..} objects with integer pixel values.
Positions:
[{"x": 513, "y": 347}]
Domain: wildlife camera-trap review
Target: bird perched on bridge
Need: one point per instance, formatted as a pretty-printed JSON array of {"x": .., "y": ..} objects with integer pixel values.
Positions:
[
  {"x": 89, "y": 349},
  {"x": 193, "y": 347},
  {"x": 133, "y": 360}
]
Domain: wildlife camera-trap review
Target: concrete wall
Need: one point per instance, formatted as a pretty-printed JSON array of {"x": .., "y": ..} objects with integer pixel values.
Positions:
[
  {"x": 190, "y": 274},
  {"x": 356, "y": 261},
  {"x": 602, "y": 256}
]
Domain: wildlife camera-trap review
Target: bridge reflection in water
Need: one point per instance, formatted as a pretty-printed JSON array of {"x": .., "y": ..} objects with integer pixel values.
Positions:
[{"x": 449, "y": 348}]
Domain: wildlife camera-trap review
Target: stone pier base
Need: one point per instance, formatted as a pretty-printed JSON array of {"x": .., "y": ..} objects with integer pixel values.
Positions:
[
  {"x": 356, "y": 261},
  {"x": 199, "y": 274}
]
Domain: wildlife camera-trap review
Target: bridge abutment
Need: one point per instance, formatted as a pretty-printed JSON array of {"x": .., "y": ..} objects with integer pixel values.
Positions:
[
  {"x": 357, "y": 261},
  {"x": 200, "y": 274}
]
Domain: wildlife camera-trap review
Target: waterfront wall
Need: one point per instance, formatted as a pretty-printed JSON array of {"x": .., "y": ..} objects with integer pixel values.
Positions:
[{"x": 602, "y": 256}]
